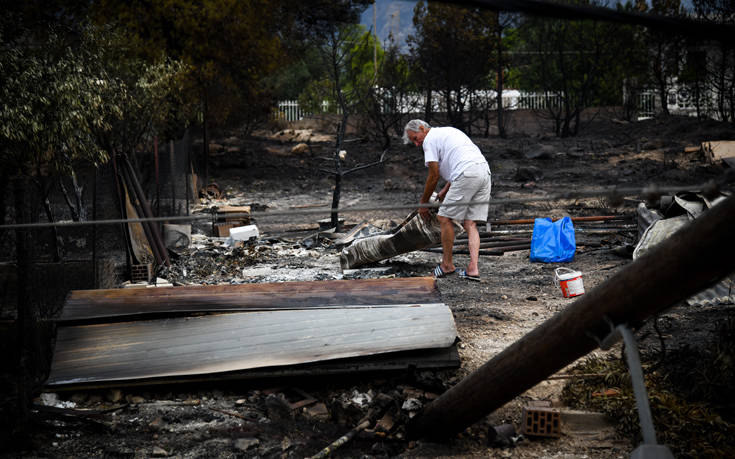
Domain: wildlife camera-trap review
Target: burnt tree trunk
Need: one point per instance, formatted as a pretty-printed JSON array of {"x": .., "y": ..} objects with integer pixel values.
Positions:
[
  {"x": 27, "y": 313},
  {"x": 501, "y": 121},
  {"x": 427, "y": 106},
  {"x": 43, "y": 189}
]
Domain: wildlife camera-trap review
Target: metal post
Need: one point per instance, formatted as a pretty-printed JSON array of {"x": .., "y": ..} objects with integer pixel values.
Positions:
[
  {"x": 649, "y": 449},
  {"x": 172, "y": 177},
  {"x": 158, "y": 181},
  {"x": 639, "y": 385}
]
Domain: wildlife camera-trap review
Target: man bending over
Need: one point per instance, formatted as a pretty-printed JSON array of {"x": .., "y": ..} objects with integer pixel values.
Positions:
[{"x": 449, "y": 153}]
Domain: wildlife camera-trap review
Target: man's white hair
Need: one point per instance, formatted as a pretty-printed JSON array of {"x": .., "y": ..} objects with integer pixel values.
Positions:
[{"x": 413, "y": 126}]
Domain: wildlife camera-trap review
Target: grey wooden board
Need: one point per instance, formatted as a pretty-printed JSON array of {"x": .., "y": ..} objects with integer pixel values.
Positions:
[{"x": 239, "y": 341}]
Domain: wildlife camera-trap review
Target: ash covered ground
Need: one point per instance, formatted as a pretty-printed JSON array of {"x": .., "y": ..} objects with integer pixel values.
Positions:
[{"x": 256, "y": 419}]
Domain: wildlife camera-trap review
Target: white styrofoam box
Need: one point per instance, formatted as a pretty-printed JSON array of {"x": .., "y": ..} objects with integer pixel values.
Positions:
[{"x": 244, "y": 233}]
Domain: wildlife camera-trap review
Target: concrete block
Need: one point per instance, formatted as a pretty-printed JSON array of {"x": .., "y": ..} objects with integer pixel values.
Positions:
[
  {"x": 575, "y": 421},
  {"x": 652, "y": 452},
  {"x": 176, "y": 236}
]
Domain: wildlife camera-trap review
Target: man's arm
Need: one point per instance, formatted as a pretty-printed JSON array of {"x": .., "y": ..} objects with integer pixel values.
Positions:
[{"x": 431, "y": 180}]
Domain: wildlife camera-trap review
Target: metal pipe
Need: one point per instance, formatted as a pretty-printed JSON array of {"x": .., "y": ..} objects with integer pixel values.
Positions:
[
  {"x": 94, "y": 229},
  {"x": 157, "y": 238},
  {"x": 689, "y": 260},
  {"x": 639, "y": 385},
  {"x": 121, "y": 204},
  {"x": 172, "y": 176},
  {"x": 158, "y": 181},
  {"x": 530, "y": 221},
  {"x": 135, "y": 202}
]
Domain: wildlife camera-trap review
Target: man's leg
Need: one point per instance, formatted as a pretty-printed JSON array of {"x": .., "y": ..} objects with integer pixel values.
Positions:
[
  {"x": 473, "y": 240},
  {"x": 447, "y": 229}
]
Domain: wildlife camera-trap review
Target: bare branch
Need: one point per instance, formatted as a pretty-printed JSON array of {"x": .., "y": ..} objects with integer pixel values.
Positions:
[{"x": 365, "y": 166}]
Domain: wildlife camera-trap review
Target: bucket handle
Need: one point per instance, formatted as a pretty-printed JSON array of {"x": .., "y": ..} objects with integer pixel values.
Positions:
[
  {"x": 563, "y": 270},
  {"x": 557, "y": 272}
]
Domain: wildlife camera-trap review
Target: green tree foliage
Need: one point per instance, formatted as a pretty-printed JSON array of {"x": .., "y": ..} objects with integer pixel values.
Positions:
[
  {"x": 233, "y": 47},
  {"x": 382, "y": 102},
  {"x": 570, "y": 62},
  {"x": 228, "y": 45},
  {"x": 69, "y": 105},
  {"x": 149, "y": 93},
  {"x": 365, "y": 59},
  {"x": 348, "y": 73},
  {"x": 453, "y": 52},
  {"x": 290, "y": 80},
  {"x": 343, "y": 67},
  {"x": 53, "y": 102}
]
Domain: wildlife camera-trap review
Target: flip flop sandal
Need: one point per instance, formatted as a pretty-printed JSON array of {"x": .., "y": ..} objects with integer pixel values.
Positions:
[
  {"x": 439, "y": 272},
  {"x": 463, "y": 274}
]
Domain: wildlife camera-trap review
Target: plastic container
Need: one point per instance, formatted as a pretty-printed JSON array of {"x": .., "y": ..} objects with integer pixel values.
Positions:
[
  {"x": 244, "y": 233},
  {"x": 569, "y": 282}
]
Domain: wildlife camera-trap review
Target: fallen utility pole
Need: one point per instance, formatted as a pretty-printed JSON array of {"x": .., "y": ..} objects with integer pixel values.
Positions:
[{"x": 688, "y": 261}]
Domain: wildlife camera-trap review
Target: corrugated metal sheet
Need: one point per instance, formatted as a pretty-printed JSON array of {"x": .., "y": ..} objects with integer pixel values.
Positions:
[
  {"x": 721, "y": 293},
  {"x": 228, "y": 342}
]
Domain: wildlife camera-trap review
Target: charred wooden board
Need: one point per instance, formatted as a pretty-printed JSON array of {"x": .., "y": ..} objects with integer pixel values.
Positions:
[{"x": 85, "y": 306}]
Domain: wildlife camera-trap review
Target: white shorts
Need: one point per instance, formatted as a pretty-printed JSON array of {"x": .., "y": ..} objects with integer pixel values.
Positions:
[{"x": 473, "y": 184}]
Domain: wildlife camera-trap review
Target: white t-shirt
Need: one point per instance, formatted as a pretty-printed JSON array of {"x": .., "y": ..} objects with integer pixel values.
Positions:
[{"x": 453, "y": 150}]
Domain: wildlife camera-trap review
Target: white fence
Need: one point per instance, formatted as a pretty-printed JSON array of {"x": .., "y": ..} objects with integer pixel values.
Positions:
[
  {"x": 289, "y": 110},
  {"x": 648, "y": 103}
]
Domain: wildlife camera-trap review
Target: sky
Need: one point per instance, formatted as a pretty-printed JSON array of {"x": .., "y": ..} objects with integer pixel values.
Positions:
[
  {"x": 391, "y": 16},
  {"x": 397, "y": 16}
]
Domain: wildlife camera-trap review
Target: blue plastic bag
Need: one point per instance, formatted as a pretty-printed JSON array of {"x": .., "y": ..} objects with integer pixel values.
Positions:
[{"x": 553, "y": 242}]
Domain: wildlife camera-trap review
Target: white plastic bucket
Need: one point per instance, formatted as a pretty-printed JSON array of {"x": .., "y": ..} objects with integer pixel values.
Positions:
[{"x": 569, "y": 282}]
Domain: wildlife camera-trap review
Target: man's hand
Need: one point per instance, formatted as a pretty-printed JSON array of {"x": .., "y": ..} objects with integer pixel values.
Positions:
[
  {"x": 431, "y": 180},
  {"x": 425, "y": 213}
]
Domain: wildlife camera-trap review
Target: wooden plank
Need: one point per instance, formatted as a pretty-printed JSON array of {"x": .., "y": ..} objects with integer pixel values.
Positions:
[
  {"x": 238, "y": 341},
  {"x": 233, "y": 209},
  {"x": 717, "y": 150},
  {"x": 89, "y": 305}
]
